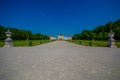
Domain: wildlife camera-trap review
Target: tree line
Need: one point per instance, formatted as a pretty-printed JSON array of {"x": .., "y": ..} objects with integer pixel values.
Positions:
[
  {"x": 100, "y": 32},
  {"x": 19, "y": 34}
]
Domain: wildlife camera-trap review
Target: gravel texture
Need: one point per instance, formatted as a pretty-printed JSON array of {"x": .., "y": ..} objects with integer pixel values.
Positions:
[{"x": 59, "y": 60}]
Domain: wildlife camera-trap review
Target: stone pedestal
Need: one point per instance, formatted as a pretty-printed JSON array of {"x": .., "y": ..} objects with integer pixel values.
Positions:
[
  {"x": 111, "y": 43},
  {"x": 8, "y": 41}
]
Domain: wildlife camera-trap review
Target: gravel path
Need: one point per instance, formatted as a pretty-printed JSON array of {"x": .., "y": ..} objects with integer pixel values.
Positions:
[{"x": 59, "y": 60}]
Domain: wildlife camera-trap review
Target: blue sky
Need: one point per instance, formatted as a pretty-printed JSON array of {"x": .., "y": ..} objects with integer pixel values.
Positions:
[{"x": 53, "y": 17}]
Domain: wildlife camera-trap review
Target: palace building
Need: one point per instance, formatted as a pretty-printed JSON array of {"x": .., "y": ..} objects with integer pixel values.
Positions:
[
  {"x": 60, "y": 37},
  {"x": 69, "y": 38},
  {"x": 52, "y": 38}
]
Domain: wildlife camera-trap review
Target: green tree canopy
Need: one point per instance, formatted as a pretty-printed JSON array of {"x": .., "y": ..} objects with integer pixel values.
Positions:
[
  {"x": 100, "y": 32},
  {"x": 18, "y": 34}
]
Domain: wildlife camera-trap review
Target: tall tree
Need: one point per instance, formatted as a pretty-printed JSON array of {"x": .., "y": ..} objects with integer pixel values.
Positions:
[
  {"x": 100, "y": 32},
  {"x": 18, "y": 34}
]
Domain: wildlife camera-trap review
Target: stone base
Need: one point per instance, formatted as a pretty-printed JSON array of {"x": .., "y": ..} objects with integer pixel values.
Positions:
[
  {"x": 8, "y": 45},
  {"x": 111, "y": 44}
]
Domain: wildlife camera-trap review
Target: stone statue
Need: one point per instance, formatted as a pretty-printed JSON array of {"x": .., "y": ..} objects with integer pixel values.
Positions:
[
  {"x": 111, "y": 34},
  {"x": 8, "y": 41},
  {"x": 111, "y": 40}
]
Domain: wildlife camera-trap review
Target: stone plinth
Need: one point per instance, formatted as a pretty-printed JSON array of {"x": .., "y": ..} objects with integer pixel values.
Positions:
[{"x": 111, "y": 43}]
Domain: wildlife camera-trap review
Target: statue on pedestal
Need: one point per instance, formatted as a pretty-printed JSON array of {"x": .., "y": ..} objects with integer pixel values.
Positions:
[
  {"x": 8, "y": 40},
  {"x": 111, "y": 40}
]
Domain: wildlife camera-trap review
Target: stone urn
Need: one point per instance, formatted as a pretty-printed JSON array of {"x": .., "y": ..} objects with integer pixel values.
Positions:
[
  {"x": 111, "y": 40},
  {"x": 8, "y": 40}
]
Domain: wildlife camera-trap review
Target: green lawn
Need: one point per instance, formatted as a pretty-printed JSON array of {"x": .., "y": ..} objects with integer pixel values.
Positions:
[
  {"x": 118, "y": 43},
  {"x": 38, "y": 42},
  {"x": 1, "y": 43},
  {"x": 94, "y": 43},
  {"x": 26, "y": 43}
]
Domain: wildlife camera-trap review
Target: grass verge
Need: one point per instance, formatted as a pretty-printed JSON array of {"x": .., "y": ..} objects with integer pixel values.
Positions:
[
  {"x": 26, "y": 43},
  {"x": 94, "y": 43}
]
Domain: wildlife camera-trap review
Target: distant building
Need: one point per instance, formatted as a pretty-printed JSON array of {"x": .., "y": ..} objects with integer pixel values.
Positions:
[
  {"x": 60, "y": 37},
  {"x": 69, "y": 37},
  {"x": 52, "y": 38}
]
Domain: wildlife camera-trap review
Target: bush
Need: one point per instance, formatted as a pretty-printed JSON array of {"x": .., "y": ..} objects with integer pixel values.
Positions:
[
  {"x": 30, "y": 43},
  {"x": 46, "y": 41},
  {"x": 74, "y": 41},
  {"x": 40, "y": 42},
  {"x": 90, "y": 43},
  {"x": 80, "y": 42}
]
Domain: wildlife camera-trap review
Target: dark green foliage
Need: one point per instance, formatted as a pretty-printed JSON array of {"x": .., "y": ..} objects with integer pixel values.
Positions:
[
  {"x": 100, "y": 32},
  {"x": 30, "y": 43},
  {"x": 41, "y": 42},
  {"x": 80, "y": 42},
  {"x": 18, "y": 34},
  {"x": 90, "y": 43}
]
